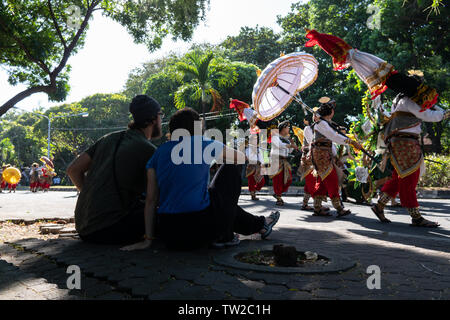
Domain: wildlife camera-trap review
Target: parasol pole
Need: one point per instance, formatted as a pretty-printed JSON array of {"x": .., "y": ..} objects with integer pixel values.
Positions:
[
  {"x": 298, "y": 99},
  {"x": 306, "y": 107}
]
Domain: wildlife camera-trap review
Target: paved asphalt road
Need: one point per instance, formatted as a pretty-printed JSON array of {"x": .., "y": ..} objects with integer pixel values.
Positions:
[{"x": 32, "y": 206}]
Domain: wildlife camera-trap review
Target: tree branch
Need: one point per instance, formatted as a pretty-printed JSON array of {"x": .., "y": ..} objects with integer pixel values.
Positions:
[
  {"x": 55, "y": 23},
  {"x": 53, "y": 74},
  {"x": 22, "y": 95},
  {"x": 11, "y": 34},
  {"x": 72, "y": 45}
]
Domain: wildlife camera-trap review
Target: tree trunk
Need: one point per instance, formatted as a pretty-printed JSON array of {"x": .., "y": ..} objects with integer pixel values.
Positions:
[
  {"x": 22, "y": 95},
  {"x": 204, "y": 108}
]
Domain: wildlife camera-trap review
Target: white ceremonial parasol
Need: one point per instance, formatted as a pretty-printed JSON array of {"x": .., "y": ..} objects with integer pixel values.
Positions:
[{"x": 281, "y": 82}]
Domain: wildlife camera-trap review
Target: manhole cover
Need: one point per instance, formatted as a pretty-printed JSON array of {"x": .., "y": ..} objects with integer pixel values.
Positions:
[{"x": 261, "y": 259}]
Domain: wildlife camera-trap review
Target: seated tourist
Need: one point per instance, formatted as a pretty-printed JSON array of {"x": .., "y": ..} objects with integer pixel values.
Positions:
[
  {"x": 191, "y": 212},
  {"x": 111, "y": 178}
]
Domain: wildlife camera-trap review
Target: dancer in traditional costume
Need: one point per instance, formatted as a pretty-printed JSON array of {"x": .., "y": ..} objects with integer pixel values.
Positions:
[
  {"x": 375, "y": 72},
  {"x": 12, "y": 186},
  {"x": 322, "y": 158},
  {"x": 306, "y": 167},
  {"x": 253, "y": 172},
  {"x": 282, "y": 146},
  {"x": 42, "y": 178},
  {"x": 402, "y": 135},
  {"x": 48, "y": 179},
  {"x": 3, "y": 183},
  {"x": 34, "y": 177}
]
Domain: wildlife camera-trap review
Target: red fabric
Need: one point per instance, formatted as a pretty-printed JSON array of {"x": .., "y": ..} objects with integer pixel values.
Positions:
[
  {"x": 310, "y": 183},
  {"x": 330, "y": 185},
  {"x": 12, "y": 186},
  {"x": 278, "y": 183},
  {"x": 239, "y": 106},
  {"x": 334, "y": 46},
  {"x": 406, "y": 187},
  {"x": 429, "y": 104},
  {"x": 376, "y": 93},
  {"x": 3, "y": 185},
  {"x": 253, "y": 186}
]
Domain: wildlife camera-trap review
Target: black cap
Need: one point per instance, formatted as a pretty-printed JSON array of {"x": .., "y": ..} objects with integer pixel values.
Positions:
[{"x": 144, "y": 108}]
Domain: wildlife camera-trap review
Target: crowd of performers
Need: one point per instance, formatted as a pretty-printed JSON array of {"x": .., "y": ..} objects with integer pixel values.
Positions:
[
  {"x": 40, "y": 178},
  {"x": 319, "y": 167}
]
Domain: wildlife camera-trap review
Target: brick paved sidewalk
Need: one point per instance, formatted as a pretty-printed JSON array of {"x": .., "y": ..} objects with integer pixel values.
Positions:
[
  {"x": 414, "y": 264},
  {"x": 408, "y": 272}
]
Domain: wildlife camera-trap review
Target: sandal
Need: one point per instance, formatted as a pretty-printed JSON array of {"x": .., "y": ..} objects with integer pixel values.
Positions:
[
  {"x": 380, "y": 214},
  {"x": 306, "y": 207},
  {"x": 322, "y": 213},
  {"x": 254, "y": 198},
  {"x": 343, "y": 213},
  {"x": 424, "y": 223},
  {"x": 275, "y": 216},
  {"x": 280, "y": 201}
]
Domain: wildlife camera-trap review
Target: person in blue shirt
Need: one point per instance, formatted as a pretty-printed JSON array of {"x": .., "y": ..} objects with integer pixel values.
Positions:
[{"x": 190, "y": 211}]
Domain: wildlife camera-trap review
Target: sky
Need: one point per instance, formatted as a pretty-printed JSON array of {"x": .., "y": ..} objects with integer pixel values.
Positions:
[{"x": 109, "y": 54}]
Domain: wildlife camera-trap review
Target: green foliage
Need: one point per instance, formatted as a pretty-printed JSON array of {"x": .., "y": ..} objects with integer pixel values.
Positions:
[
  {"x": 70, "y": 136},
  {"x": 202, "y": 74},
  {"x": 7, "y": 153},
  {"x": 408, "y": 39},
  {"x": 258, "y": 46},
  {"x": 436, "y": 175},
  {"x": 18, "y": 129},
  {"x": 38, "y": 37}
]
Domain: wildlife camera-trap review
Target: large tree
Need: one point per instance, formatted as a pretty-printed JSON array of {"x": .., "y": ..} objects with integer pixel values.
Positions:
[
  {"x": 259, "y": 45},
  {"x": 38, "y": 37}
]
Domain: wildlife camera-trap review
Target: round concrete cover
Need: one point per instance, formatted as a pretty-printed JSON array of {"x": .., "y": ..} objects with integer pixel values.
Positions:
[{"x": 335, "y": 264}]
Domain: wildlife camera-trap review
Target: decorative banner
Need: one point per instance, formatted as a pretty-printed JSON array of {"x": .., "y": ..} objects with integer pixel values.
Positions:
[{"x": 299, "y": 133}]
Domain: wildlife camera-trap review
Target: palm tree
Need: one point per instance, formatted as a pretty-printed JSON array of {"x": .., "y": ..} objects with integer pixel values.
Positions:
[{"x": 203, "y": 72}]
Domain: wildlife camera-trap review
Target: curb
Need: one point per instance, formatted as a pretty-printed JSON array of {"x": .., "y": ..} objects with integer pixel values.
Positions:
[
  {"x": 298, "y": 191},
  {"x": 33, "y": 221}
]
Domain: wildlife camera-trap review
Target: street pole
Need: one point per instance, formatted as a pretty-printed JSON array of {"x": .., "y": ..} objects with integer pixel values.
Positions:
[
  {"x": 48, "y": 137},
  {"x": 49, "y": 119}
]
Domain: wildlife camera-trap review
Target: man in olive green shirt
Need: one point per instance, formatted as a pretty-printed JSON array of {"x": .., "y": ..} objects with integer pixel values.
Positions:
[{"x": 111, "y": 178}]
